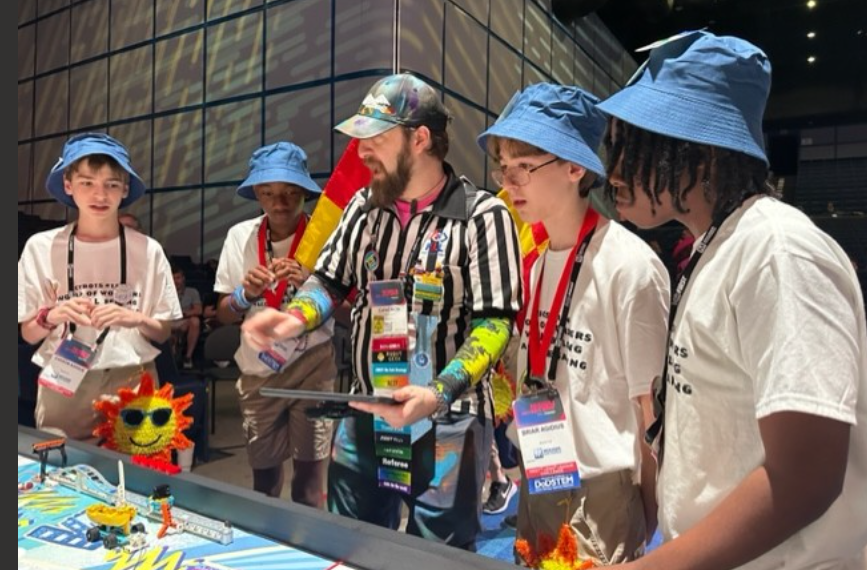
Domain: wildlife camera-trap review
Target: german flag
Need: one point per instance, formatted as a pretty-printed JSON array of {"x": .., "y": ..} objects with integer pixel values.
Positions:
[{"x": 349, "y": 176}]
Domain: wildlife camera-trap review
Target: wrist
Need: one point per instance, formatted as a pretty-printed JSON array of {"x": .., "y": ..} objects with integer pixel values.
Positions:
[
  {"x": 443, "y": 404},
  {"x": 238, "y": 301},
  {"x": 42, "y": 319},
  {"x": 249, "y": 297}
]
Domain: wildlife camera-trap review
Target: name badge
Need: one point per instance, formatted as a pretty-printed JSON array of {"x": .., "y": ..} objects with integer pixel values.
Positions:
[
  {"x": 547, "y": 443},
  {"x": 67, "y": 367},
  {"x": 389, "y": 369},
  {"x": 282, "y": 353}
]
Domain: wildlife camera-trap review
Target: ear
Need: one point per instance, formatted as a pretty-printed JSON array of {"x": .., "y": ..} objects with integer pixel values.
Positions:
[
  {"x": 67, "y": 186},
  {"x": 125, "y": 191},
  {"x": 421, "y": 140},
  {"x": 576, "y": 172}
]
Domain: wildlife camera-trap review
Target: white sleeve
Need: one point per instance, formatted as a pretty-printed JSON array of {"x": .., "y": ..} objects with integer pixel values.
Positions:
[
  {"x": 798, "y": 334},
  {"x": 166, "y": 306},
  {"x": 230, "y": 271},
  {"x": 643, "y": 295}
]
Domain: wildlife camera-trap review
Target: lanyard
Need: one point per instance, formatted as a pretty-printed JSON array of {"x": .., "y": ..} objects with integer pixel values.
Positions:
[
  {"x": 274, "y": 297},
  {"x": 656, "y": 428},
  {"x": 562, "y": 302},
  {"x": 416, "y": 247},
  {"x": 70, "y": 270}
]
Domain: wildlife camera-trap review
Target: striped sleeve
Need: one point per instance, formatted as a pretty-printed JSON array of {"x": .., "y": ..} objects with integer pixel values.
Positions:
[
  {"x": 495, "y": 261},
  {"x": 335, "y": 266}
]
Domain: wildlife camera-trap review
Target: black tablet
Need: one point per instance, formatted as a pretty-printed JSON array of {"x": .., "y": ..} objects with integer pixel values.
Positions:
[{"x": 325, "y": 396}]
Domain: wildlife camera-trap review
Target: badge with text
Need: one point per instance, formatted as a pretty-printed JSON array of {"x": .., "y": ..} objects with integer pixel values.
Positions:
[
  {"x": 282, "y": 353},
  {"x": 389, "y": 366},
  {"x": 428, "y": 286},
  {"x": 67, "y": 367},
  {"x": 547, "y": 443}
]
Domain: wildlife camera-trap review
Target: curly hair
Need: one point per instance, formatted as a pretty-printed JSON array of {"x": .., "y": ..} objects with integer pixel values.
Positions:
[{"x": 656, "y": 163}]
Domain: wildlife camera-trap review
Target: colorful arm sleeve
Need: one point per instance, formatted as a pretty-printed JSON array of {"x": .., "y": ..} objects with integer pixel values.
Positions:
[
  {"x": 474, "y": 359},
  {"x": 314, "y": 303}
]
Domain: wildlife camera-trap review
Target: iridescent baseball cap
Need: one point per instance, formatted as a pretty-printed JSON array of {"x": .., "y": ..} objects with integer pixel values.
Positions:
[{"x": 396, "y": 100}]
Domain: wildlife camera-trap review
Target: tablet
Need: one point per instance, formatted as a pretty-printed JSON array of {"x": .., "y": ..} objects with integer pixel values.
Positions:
[{"x": 325, "y": 396}]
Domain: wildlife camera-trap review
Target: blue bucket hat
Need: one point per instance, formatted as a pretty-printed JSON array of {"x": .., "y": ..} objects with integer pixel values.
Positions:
[
  {"x": 88, "y": 144},
  {"x": 701, "y": 88},
  {"x": 278, "y": 162},
  {"x": 557, "y": 119},
  {"x": 400, "y": 99}
]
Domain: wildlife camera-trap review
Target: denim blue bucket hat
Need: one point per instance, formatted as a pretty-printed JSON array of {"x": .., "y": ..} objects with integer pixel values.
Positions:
[
  {"x": 557, "y": 119},
  {"x": 278, "y": 162},
  {"x": 88, "y": 144},
  {"x": 701, "y": 88}
]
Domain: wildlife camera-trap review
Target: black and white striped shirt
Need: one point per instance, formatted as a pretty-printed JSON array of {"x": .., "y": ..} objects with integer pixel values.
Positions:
[{"x": 482, "y": 268}]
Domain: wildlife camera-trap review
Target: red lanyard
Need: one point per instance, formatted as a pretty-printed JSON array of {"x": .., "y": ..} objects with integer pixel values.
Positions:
[
  {"x": 540, "y": 343},
  {"x": 274, "y": 297}
]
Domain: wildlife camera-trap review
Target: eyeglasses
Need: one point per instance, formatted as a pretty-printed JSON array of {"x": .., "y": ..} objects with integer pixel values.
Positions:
[
  {"x": 134, "y": 417},
  {"x": 518, "y": 175}
]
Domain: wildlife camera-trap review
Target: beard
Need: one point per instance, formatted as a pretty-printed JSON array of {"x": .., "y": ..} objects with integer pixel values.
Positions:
[{"x": 386, "y": 190}]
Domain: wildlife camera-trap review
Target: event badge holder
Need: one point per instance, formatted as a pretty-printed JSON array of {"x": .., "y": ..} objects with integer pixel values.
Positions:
[
  {"x": 282, "y": 353},
  {"x": 547, "y": 443},
  {"x": 400, "y": 456},
  {"x": 68, "y": 366}
]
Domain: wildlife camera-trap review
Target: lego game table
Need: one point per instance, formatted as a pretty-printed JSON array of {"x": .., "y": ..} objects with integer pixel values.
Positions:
[{"x": 266, "y": 534}]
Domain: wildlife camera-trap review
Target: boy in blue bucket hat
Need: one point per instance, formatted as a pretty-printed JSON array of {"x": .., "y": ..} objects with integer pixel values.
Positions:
[
  {"x": 762, "y": 411},
  {"x": 93, "y": 294},
  {"x": 258, "y": 270},
  {"x": 609, "y": 292}
]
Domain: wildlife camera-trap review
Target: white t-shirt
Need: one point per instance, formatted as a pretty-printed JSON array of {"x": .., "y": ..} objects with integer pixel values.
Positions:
[
  {"x": 241, "y": 254},
  {"x": 42, "y": 281},
  {"x": 614, "y": 344},
  {"x": 772, "y": 321}
]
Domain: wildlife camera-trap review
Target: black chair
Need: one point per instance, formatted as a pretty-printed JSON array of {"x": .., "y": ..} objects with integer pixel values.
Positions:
[
  {"x": 219, "y": 354},
  {"x": 342, "y": 340},
  {"x": 185, "y": 384}
]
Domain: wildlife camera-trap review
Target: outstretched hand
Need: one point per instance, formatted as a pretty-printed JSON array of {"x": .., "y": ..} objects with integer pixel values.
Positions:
[
  {"x": 269, "y": 326},
  {"x": 414, "y": 403}
]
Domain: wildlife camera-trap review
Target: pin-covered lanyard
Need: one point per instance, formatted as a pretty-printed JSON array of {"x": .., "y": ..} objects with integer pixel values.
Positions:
[
  {"x": 540, "y": 341},
  {"x": 372, "y": 259},
  {"x": 655, "y": 430},
  {"x": 274, "y": 297},
  {"x": 70, "y": 271}
]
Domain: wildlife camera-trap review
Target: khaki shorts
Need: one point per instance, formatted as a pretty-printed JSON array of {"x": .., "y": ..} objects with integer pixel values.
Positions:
[
  {"x": 75, "y": 417},
  {"x": 606, "y": 515},
  {"x": 277, "y": 428}
]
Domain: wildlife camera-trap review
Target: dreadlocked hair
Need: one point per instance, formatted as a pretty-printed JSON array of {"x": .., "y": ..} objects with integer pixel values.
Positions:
[{"x": 657, "y": 163}]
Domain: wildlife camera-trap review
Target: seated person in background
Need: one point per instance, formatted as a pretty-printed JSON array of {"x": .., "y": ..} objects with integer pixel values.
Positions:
[
  {"x": 190, "y": 325},
  {"x": 210, "y": 321}
]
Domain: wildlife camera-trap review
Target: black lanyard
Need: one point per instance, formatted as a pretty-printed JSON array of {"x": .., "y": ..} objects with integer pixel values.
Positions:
[
  {"x": 414, "y": 252},
  {"x": 656, "y": 429},
  {"x": 580, "y": 251},
  {"x": 70, "y": 271}
]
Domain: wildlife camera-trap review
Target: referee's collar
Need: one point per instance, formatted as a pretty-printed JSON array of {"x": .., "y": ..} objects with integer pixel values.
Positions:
[{"x": 452, "y": 201}]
